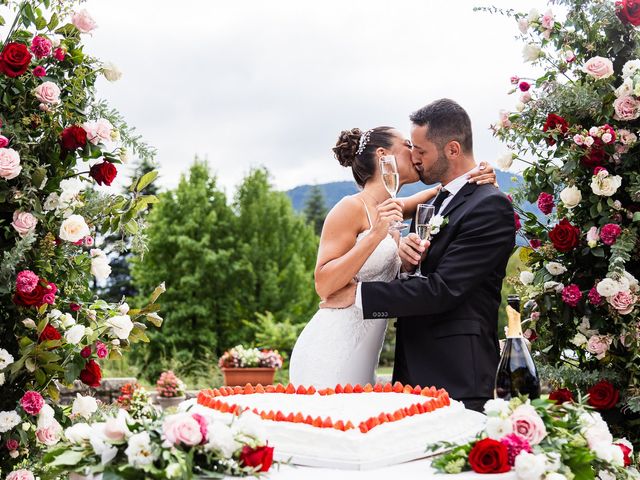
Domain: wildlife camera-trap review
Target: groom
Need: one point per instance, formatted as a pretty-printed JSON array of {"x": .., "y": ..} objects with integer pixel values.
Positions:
[{"x": 447, "y": 328}]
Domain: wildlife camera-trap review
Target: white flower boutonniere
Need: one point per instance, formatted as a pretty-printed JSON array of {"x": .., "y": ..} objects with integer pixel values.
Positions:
[{"x": 437, "y": 222}]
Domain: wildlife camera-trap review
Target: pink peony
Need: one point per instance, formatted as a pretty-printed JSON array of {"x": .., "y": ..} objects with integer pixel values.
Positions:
[
  {"x": 101, "y": 350},
  {"x": 83, "y": 21},
  {"x": 41, "y": 47},
  {"x": 59, "y": 54},
  {"x": 609, "y": 233},
  {"x": 598, "y": 345},
  {"x": 39, "y": 71},
  {"x": 9, "y": 163},
  {"x": 545, "y": 203},
  {"x": 623, "y": 302},
  {"x": 48, "y": 93},
  {"x": 50, "y": 296},
  {"x": 203, "y": 425},
  {"x": 182, "y": 428},
  {"x": 515, "y": 444},
  {"x": 594, "y": 297},
  {"x": 32, "y": 402},
  {"x": 528, "y": 424},
  {"x": 24, "y": 223},
  {"x": 49, "y": 434},
  {"x": 571, "y": 295},
  {"x": 627, "y": 108},
  {"x": 21, "y": 474},
  {"x": 26, "y": 281},
  {"x": 598, "y": 67}
]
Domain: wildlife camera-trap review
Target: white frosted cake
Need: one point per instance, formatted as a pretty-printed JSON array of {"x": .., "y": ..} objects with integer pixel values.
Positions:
[{"x": 350, "y": 427}]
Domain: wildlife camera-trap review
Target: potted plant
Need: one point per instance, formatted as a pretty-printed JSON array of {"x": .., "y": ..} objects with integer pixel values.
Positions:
[
  {"x": 242, "y": 365},
  {"x": 171, "y": 390}
]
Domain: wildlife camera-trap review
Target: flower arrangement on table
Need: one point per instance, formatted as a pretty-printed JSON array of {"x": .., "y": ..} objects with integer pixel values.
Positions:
[
  {"x": 135, "y": 399},
  {"x": 241, "y": 357},
  {"x": 575, "y": 127},
  {"x": 542, "y": 439},
  {"x": 169, "y": 385},
  {"x": 193, "y": 442}
]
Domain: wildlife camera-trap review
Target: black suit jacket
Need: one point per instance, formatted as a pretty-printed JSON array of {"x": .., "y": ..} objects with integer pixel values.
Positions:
[{"x": 447, "y": 322}]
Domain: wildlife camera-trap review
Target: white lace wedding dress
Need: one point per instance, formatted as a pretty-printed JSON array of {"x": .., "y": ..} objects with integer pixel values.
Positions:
[{"x": 337, "y": 345}]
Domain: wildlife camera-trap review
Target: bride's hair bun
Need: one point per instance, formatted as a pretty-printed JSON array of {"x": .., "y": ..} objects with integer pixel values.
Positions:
[{"x": 347, "y": 146}]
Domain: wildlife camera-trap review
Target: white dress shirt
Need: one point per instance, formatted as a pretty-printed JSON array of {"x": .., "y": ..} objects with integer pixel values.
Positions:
[{"x": 453, "y": 187}]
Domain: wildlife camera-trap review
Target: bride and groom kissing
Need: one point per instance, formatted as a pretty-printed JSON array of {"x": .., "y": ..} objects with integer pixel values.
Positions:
[{"x": 447, "y": 319}]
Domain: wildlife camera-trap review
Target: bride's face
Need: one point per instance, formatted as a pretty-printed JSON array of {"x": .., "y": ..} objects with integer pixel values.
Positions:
[{"x": 401, "y": 149}]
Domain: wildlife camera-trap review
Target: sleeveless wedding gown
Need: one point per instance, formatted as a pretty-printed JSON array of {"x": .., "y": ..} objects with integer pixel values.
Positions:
[{"x": 337, "y": 345}]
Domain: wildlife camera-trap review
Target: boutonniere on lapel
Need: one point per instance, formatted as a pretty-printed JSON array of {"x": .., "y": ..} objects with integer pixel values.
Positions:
[{"x": 437, "y": 223}]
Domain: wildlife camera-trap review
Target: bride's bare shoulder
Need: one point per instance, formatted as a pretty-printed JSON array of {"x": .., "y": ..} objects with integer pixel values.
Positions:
[{"x": 347, "y": 212}]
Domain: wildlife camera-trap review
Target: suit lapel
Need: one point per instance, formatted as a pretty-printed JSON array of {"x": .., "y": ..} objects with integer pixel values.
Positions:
[{"x": 459, "y": 199}]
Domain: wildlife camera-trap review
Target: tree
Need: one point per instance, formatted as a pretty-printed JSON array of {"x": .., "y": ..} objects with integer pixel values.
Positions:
[
  {"x": 191, "y": 247},
  {"x": 315, "y": 209}
]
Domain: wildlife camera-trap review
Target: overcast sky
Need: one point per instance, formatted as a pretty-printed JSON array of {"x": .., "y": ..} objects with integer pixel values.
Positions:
[{"x": 254, "y": 82}]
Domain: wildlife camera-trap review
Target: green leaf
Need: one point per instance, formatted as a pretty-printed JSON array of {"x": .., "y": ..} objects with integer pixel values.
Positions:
[
  {"x": 636, "y": 217},
  {"x": 160, "y": 289},
  {"x": 41, "y": 23},
  {"x": 54, "y": 22},
  {"x": 145, "y": 180},
  {"x": 132, "y": 227},
  {"x": 155, "y": 319},
  {"x": 2, "y": 22},
  {"x": 69, "y": 457},
  {"x": 598, "y": 252}
]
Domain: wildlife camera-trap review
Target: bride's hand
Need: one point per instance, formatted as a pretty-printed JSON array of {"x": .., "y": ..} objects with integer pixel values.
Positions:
[
  {"x": 389, "y": 212},
  {"x": 483, "y": 173}
]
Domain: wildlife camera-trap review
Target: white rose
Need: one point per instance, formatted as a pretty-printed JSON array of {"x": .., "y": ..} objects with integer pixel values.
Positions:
[
  {"x": 607, "y": 185},
  {"x": 139, "y": 451},
  {"x": 74, "y": 228},
  {"x": 597, "y": 432},
  {"x": 519, "y": 107},
  {"x": 9, "y": 420},
  {"x": 555, "y": 268},
  {"x": 523, "y": 25},
  {"x": 52, "y": 202},
  {"x": 588, "y": 141},
  {"x": 505, "y": 161},
  {"x": 124, "y": 308},
  {"x": 496, "y": 406},
  {"x": 631, "y": 281},
  {"x": 529, "y": 466},
  {"x": 609, "y": 453},
  {"x": 6, "y": 359},
  {"x": 67, "y": 320},
  {"x": 100, "y": 267},
  {"x": 604, "y": 475},
  {"x": 29, "y": 323},
  {"x": 74, "y": 334},
  {"x": 84, "y": 406},
  {"x": 220, "y": 437},
  {"x": 555, "y": 476},
  {"x": 124, "y": 156},
  {"x": 250, "y": 425},
  {"x": 111, "y": 72},
  {"x": 78, "y": 433},
  {"x": 630, "y": 68},
  {"x": 497, "y": 427},
  {"x": 534, "y": 15},
  {"x": 571, "y": 197},
  {"x": 531, "y": 52},
  {"x": 579, "y": 340},
  {"x": 526, "y": 277},
  {"x": 608, "y": 287},
  {"x": 121, "y": 326},
  {"x": 46, "y": 416},
  {"x": 552, "y": 286}
]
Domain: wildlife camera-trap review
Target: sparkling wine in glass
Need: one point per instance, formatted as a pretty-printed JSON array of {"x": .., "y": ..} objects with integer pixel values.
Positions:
[
  {"x": 424, "y": 214},
  {"x": 391, "y": 181}
]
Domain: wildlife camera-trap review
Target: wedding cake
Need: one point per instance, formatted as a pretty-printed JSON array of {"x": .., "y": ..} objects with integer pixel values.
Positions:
[{"x": 351, "y": 427}]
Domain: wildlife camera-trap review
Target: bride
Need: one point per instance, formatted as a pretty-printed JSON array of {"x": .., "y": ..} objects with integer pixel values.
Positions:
[{"x": 337, "y": 345}]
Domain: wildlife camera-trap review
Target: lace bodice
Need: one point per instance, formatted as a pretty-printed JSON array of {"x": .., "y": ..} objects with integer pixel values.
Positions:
[{"x": 383, "y": 264}]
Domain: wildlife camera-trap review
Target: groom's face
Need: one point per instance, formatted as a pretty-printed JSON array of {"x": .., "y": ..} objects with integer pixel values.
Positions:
[{"x": 428, "y": 159}]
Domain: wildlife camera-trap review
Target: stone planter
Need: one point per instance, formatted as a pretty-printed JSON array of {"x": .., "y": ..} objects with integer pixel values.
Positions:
[
  {"x": 241, "y": 376},
  {"x": 168, "y": 402}
]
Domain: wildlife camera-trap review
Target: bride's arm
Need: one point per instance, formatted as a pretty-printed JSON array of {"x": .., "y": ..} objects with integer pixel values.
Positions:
[{"x": 340, "y": 257}]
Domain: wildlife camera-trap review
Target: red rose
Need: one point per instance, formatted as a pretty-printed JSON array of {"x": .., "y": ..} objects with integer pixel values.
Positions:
[
  {"x": 629, "y": 12},
  {"x": 594, "y": 157},
  {"x": 260, "y": 456},
  {"x": 85, "y": 352},
  {"x": 489, "y": 456},
  {"x": 524, "y": 86},
  {"x": 603, "y": 395},
  {"x": 562, "y": 395},
  {"x": 565, "y": 236},
  {"x": 557, "y": 124},
  {"x": 91, "y": 374},
  {"x": 14, "y": 59},
  {"x": 103, "y": 173},
  {"x": 516, "y": 220},
  {"x": 626, "y": 453},
  {"x": 73, "y": 137},
  {"x": 49, "y": 333}
]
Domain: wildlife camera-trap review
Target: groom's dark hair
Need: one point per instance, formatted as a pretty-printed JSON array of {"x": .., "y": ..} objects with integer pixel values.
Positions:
[{"x": 445, "y": 121}]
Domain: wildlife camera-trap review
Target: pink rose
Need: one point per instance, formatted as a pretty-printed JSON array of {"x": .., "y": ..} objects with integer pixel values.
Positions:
[
  {"x": 24, "y": 222},
  {"x": 609, "y": 233},
  {"x": 515, "y": 444},
  {"x": 203, "y": 425},
  {"x": 547, "y": 20},
  {"x": 4, "y": 141},
  {"x": 41, "y": 47},
  {"x": 101, "y": 350},
  {"x": 9, "y": 163},
  {"x": 528, "y": 424},
  {"x": 48, "y": 93},
  {"x": 623, "y": 302},
  {"x": 83, "y": 21},
  {"x": 627, "y": 108},
  {"x": 182, "y": 428},
  {"x": 598, "y": 67},
  {"x": 59, "y": 54},
  {"x": 504, "y": 121},
  {"x": 598, "y": 345},
  {"x": 571, "y": 295},
  {"x": 593, "y": 236},
  {"x": 12, "y": 444},
  {"x": 32, "y": 402},
  {"x": 49, "y": 434},
  {"x": 21, "y": 474},
  {"x": 39, "y": 71},
  {"x": 515, "y": 80},
  {"x": 98, "y": 131},
  {"x": 26, "y": 281}
]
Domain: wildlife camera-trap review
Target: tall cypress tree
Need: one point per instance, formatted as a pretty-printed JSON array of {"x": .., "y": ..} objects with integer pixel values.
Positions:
[{"x": 315, "y": 209}]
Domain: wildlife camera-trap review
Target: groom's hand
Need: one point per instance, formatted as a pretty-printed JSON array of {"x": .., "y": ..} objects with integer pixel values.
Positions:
[
  {"x": 343, "y": 298},
  {"x": 412, "y": 251}
]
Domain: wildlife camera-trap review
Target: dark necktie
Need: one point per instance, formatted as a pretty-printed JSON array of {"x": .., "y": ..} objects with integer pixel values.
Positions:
[{"x": 437, "y": 203}]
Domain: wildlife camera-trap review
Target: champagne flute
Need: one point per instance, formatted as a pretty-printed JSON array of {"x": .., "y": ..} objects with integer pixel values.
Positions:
[
  {"x": 391, "y": 181},
  {"x": 424, "y": 214}
]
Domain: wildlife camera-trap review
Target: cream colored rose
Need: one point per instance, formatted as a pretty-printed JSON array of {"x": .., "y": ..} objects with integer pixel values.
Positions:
[
  {"x": 571, "y": 197},
  {"x": 505, "y": 161},
  {"x": 604, "y": 184},
  {"x": 48, "y": 93},
  {"x": 608, "y": 287},
  {"x": 73, "y": 229},
  {"x": 630, "y": 68},
  {"x": 100, "y": 267},
  {"x": 111, "y": 72},
  {"x": 531, "y": 52},
  {"x": 526, "y": 277},
  {"x": 555, "y": 268},
  {"x": 74, "y": 334},
  {"x": 625, "y": 89},
  {"x": 598, "y": 67},
  {"x": 121, "y": 326}
]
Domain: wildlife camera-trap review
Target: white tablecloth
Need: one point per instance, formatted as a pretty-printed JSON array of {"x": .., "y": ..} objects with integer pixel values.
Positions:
[{"x": 419, "y": 469}]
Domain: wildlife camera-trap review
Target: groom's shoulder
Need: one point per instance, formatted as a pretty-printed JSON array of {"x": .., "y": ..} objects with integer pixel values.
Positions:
[{"x": 492, "y": 197}]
